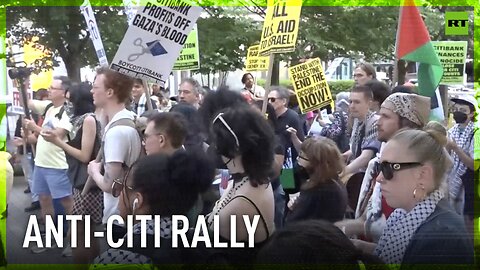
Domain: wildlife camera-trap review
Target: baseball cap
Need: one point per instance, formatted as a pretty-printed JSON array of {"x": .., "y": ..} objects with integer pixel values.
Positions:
[{"x": 466, "y": 98}]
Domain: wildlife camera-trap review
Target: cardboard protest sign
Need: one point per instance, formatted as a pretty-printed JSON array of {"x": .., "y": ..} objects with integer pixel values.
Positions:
[
  {"x": 280, "y": 29},
  {"x": 452, "y": 55},
  {"x": 189, "y": 58},
  {"x": 310, "y": 85},
  {"x": 255, "y": 62},
  {"x": 155, "y": 38}
]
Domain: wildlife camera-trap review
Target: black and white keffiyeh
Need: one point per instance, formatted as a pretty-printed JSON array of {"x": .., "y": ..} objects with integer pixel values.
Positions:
[
  {"x": 401, "y": 226},
  {"x": 121, "y": 256},
  {"x": 463, "y": 140},
  {"x": 141, "y": 107}
]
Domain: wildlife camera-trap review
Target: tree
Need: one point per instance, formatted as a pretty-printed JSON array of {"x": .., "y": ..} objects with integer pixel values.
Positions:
[
  {"x": 224, "y": 37},
  {"x": 62, "y": 30}
]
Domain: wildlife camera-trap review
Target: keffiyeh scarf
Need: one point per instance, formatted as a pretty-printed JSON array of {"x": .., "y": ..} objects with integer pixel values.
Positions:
[
  {"x": 120, "y": 256},
  {"x": 401, "y": 226},
  {"x": 77, "y": 123},
  {"x": 141, "y": 107},
  {"x": 462, "y": 139},
  {"x": 369, "y": 126}
]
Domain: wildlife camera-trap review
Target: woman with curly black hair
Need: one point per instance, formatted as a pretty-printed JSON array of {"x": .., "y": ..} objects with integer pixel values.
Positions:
[{"x": 245, "y": 141}]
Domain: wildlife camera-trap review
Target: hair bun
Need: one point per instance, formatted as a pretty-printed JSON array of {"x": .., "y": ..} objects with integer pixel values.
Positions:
[{"x": 437, "y": 135}]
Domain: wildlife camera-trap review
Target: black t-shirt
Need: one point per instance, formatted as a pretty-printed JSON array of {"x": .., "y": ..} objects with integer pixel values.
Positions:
[
  {"x": 292, "y": 119},
  {"x": 278, "y": 150}
]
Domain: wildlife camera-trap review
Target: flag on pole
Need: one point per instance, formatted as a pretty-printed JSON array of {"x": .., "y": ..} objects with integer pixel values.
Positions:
[{"x": 414, "y": 44}]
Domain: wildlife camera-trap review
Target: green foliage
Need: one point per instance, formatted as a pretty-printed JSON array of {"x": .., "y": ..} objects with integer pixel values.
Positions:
[
  {"x": 340, "y": 86},
  {"x": 284, "y": 83},
  {"x": 224, "y": 38},
  {"x": 62, "y": 30}
]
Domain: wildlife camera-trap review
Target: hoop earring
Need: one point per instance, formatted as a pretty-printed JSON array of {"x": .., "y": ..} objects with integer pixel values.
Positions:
[{"x": 423, "y": 190}]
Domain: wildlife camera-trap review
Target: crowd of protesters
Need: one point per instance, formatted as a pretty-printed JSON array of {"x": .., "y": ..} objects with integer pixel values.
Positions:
[{"x": 365, "y": 183}]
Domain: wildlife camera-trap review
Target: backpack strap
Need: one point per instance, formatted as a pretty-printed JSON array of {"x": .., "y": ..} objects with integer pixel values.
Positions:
[
  {"x": 120, "y": 122},
  {"x": 58, "y": 115},
  {"x": 46, "y": 109}
]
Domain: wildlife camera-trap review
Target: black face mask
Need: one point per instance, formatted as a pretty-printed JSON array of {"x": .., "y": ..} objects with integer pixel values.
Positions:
[
  {"x": 460, "y": 117},
  {"x": 300, "y": 174}
]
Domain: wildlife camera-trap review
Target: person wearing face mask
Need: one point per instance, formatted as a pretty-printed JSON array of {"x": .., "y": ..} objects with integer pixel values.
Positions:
[
  {"x": 461, "y": 146},
  {"x": 322, "y": 196}
]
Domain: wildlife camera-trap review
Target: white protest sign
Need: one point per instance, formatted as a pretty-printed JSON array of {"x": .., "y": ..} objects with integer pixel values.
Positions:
[
  {"x": 92, "y": 28},
  {"x": 16, "y": 105},
  {"x": 155, "y": 38}
]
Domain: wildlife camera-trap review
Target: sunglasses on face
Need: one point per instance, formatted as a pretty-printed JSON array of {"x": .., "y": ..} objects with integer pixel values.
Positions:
[
  {"x": 388, "y": 168},
  {"x": 302, "y": 157},
  {"x": 119, "y": 185}
]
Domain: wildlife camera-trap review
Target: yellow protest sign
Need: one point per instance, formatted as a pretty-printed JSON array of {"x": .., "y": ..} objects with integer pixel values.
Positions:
[
  {"x": 255, "y": 62},
  {"x": 32, "y": 52},
  {"x": 280, "y": 29},
  {"x": 310, "y": 85},
  {"x": 189, "y": 58}
]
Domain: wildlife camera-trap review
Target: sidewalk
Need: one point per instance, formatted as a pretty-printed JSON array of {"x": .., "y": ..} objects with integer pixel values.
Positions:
[{"x": 16, "y": 228}]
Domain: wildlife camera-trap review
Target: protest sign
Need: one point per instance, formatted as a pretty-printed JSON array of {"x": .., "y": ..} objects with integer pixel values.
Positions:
[
  {"x": 189, "y": 58},
  {"x": 92, "y": 28},
  {"x": 155, "y": 38},
  {"x": 452, "y": 55},
  {"x": 310, "y": 85},
  {"x": 17, "y": 108},
  {"x": 255, "y": 62},
  {"x": 280, "y": 29}
]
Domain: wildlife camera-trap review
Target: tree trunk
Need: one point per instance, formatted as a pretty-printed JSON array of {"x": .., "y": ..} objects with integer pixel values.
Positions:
[{"x": 73, "y": 68}]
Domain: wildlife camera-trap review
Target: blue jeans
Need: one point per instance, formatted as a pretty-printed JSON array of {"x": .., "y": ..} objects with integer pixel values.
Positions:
[
  {"x": 280, "y": 203},
  {"x": 27, "y": 166}
]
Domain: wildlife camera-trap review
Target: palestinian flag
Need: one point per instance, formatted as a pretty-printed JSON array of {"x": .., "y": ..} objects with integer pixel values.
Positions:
[{"x": 413, "y": 44}]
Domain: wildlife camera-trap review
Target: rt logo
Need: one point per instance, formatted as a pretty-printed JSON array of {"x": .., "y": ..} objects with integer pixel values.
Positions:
[{"x": 456, "y": 23}]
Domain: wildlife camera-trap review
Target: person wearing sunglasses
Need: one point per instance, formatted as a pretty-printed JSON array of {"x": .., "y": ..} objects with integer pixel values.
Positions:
[
  {"x": 424, "y": 228},
  {"x": 398, "y": 112},
  {"x": 322, "y": 196},
  {"x": 245, "y": 141},
  {"x": 162, "y": 185}
]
